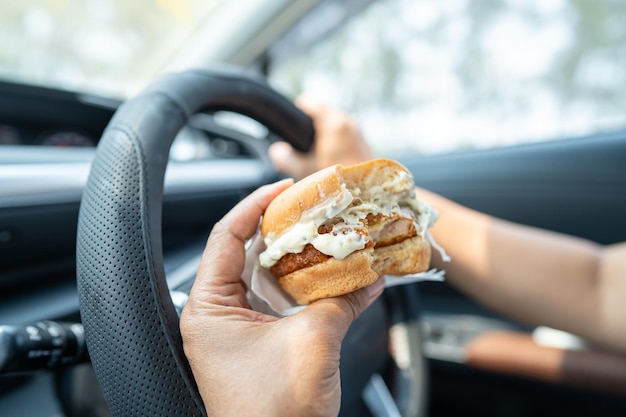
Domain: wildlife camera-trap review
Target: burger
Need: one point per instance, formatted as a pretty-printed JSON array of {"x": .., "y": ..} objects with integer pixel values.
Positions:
[{"x": 340, "y": 228}]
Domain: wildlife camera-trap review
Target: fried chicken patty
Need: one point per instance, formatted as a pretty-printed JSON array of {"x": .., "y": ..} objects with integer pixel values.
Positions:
[
  {"x": 393, "y": 232},
  {"x": 386, "y": 231},
  {"x": 294, "y": 261}
]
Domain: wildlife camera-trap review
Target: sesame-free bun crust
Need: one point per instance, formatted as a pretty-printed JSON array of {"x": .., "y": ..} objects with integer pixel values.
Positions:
[
  {"x": 335, "y": 277},
  {"x": 287, "y": 208},
  {"x": 330, "y": 278},
  {"x": 325, "y": 185},
  {"x": 390, "y": 175},
  {"x": 407, "y": 257}
]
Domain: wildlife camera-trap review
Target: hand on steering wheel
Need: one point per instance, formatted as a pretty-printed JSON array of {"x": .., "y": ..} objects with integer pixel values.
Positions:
[
  {"x": 338, "y": 140},
  {"x": 248, "y": 363}
]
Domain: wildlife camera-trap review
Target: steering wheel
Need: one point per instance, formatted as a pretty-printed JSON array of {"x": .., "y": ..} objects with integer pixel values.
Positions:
[{"x": 130, "y": 322}]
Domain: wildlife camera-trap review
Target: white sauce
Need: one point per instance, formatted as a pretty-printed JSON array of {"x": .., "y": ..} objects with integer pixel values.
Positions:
[{"x": 305, "y": 231}]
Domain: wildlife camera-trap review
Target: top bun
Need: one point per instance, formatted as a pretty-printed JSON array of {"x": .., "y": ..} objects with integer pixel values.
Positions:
[{"x": 327, "y": 185}]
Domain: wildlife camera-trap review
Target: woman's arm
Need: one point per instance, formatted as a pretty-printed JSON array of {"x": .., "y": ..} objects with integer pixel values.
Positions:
[{"x": 534, "y": 275}]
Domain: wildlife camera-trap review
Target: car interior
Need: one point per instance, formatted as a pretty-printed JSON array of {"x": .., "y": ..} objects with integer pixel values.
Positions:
[{"x": 107, "y": 199}]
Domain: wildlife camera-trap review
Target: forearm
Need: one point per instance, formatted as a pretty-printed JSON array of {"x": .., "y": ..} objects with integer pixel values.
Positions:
[{"x": 535, "y": 276}]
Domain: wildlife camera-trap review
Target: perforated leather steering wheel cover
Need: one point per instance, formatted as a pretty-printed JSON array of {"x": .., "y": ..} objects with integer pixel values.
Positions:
[{"x": 130, "y": 323}]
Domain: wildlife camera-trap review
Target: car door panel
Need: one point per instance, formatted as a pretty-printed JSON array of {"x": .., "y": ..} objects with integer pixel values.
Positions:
[{"x": 575, "y": 186}]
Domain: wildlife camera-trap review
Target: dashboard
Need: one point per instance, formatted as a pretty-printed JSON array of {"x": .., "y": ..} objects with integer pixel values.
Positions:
[
  {"x": 39, "y": 116},
  {"x": 32, "y": 115}
]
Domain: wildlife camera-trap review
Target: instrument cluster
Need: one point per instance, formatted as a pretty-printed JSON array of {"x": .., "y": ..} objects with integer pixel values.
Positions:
[{"x": 12, "y": 134}]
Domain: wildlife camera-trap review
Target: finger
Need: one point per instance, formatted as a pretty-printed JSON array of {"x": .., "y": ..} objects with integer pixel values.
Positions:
[
  {"x": 291, "y": 162},
  {"x": 338, "y": 313},
  {"x": 224, "y": 256}
]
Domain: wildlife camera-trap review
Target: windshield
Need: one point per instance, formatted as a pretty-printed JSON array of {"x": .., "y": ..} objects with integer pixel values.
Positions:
[
  {"x": 109, "y": 47},
  {"x": 439, "y": 76}
]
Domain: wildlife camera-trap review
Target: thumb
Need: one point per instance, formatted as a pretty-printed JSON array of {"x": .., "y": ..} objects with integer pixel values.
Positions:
[
  {"x": 338, "y": 313},
  {"x": 291, "y": 162}
]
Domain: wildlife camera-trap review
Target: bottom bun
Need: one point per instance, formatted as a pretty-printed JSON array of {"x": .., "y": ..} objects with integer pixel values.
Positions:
[
  {"x": 335, "y": 277},
  {"x": 330, "y": 278},
  {"x": 407, "y": 257}
]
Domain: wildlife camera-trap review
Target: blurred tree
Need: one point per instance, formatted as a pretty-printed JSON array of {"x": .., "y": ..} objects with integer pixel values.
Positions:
[{"x": 472, "y": 73}]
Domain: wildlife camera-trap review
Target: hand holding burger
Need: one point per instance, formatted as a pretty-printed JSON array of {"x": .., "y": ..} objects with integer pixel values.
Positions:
[{"x": 247, "y": 363}]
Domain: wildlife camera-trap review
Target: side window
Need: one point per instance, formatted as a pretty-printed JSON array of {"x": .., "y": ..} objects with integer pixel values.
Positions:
[{"x": 436, "y": 76}]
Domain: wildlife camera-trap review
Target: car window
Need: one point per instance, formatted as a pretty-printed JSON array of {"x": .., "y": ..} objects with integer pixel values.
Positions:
[
  {"x": 437, "y": 76},
  {"x": 112, "y": 48}
]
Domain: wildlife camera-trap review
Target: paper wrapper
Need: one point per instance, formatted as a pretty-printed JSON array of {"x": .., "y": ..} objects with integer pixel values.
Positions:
[{"x": 265, "y": 295}]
